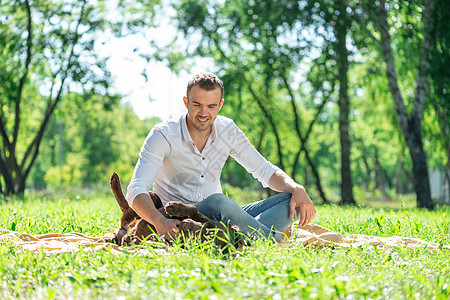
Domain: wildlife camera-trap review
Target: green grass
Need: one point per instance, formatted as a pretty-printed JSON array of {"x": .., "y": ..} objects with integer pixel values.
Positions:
[{"x": 260, "y": 271}]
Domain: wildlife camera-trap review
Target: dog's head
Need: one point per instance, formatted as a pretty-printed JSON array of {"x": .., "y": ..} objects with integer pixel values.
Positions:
[{"x": 226, "y": 236}]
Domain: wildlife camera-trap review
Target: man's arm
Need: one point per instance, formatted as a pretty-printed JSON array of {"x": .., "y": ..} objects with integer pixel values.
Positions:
[
  {"x": 247, "y": 156},
  {"x": 300, "y": 201},
  {"x": 151, "y": 157},
  {"x": 144, "y": 207}
]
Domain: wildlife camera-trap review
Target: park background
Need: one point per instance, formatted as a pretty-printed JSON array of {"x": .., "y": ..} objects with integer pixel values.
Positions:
[{"x": 350, "y": 97}]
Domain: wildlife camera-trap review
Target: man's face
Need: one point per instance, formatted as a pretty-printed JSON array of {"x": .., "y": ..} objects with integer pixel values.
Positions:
[{"x": 202, "y": 106}]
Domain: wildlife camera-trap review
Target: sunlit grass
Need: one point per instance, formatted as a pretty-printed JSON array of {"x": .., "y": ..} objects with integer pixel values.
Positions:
[{"x": 262, "y": 270}]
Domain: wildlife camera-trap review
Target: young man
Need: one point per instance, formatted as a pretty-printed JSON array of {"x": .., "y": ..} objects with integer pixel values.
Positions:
[{"x": 183, "y": 159}]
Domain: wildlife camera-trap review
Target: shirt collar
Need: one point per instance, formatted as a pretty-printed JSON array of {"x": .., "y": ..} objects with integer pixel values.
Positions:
[
  {"x": 185, "y": 132},
  {"x": 213, "y": 134}
]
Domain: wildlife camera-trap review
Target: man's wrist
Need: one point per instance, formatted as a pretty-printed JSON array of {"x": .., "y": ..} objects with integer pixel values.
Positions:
[
  {"x": 159, "y": 219},
  {"x": 298, "y": 189}
]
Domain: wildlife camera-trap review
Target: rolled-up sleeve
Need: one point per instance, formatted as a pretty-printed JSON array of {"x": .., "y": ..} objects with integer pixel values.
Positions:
[
  {"x": 150, "y": 161},
  {"x": 247, "y": 156}
]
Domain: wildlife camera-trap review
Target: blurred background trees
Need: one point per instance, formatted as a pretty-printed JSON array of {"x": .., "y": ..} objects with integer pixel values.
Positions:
[
  {"x": 349, "y": 97},
  {"x": 46, "y": 47}
]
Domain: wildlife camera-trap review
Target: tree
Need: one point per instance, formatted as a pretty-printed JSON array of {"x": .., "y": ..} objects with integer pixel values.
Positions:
[
  {"x": 340, "y": 29},
  {"x": 251, "y": 42},
  {"x": 440, "y": 79},
  {"x": 336, "y": 23},
  {"x": 47, "y": 48},
  {"x": 100, "y": 135},
  {"x": 377, "y": 15}
]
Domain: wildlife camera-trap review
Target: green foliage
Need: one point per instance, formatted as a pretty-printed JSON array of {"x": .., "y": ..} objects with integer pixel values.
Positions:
[
  {"x": 262, "y": 270},
  {"x": 262, "y": 50},
  {"x": 47, "y": 47},
  {"x": 437, "y": 115},
  {"x": 278, "y": 65},
  {"x": 68, "y": 175},
  {"x": 89, "y": 138}
]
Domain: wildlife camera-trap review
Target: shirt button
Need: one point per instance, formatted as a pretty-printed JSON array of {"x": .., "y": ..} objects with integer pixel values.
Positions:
[
  {"x": 203, "y": 158},
  {"x": 202, "y": 176}
]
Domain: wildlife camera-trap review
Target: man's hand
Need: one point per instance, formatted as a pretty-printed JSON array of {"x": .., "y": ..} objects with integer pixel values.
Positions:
[
  {"x": 167, "y": 228},
  {"x": 300, "y": 201},
  {"x": 302, "y": 204}
]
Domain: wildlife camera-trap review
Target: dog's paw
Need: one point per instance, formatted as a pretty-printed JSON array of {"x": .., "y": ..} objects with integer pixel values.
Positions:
[
  {"x": 189, "y": 225},
  {"x": 114, "y": 178},
  {"x": 178, "y": 209},
  {"x": 114, "y": 182}
]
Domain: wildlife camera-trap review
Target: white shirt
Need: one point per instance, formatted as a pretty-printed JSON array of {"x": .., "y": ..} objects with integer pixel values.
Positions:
[{"x": 171, "y": 163}]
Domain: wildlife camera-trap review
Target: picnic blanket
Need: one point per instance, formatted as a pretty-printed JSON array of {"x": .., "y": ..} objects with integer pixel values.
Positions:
[
  {"x": 310, "y": 235},
  {"x": 54, "y": 242},
  {"x": 316, "y": 235}
]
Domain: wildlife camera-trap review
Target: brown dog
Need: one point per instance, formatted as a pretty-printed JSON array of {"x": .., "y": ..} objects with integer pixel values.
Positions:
[{"x": 133, "y": 228}]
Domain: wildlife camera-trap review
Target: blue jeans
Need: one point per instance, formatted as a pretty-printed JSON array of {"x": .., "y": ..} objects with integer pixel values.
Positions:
[{"x": 266, "y": 218}]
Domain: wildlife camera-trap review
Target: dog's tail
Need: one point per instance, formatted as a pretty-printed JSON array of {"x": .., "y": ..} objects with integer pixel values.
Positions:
[{"x": 116, "y": 188}]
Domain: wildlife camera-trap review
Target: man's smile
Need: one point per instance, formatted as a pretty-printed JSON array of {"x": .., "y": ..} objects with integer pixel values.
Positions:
[{"x": 202, "y": 120}]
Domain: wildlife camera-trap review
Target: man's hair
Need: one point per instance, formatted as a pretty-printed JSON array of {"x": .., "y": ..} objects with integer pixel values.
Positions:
[{"x": 206, "y": 81}]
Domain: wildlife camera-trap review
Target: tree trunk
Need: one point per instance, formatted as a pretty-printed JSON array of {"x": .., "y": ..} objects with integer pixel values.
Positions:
[
  {"x": 269, "y": 118},
  {"x": 368, "y": 171},
  {"x": 398, "y": 176},
  {"x": 344, "y": 103},
  {"x": 261, "y": 137},
  {"x": 411, "y": 125},
  {"x": 15, "y": 174},
  {"x": 420, "y": 170},
  {"x": 19, "y": 187},
  {"x": 13, "y": 177},
  {"x": 364, "y": 154},
  {"x": 303, "y": 140},
  {"x": 306, "y": 176},
  {"x": 316, "y": 177},
  {"x": 379, "y": 183}
]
